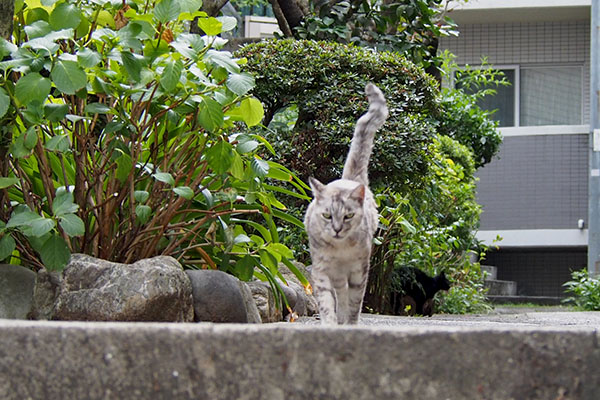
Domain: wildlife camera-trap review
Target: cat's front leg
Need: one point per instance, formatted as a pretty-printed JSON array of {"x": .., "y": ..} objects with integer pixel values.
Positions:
[
  {"x": 357, "y": 284},
  {"x": 326, "y": 298}
]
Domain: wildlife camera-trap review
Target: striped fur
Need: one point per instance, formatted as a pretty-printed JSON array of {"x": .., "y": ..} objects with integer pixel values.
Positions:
[{"x": 341, "y": 221}]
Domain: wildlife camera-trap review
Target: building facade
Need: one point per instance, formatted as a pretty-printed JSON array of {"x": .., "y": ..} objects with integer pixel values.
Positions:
[{"x": 534, "y": 194}]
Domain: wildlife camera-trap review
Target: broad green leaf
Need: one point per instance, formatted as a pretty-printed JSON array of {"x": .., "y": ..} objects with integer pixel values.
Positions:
[
  {"x": 22, "y": 218},
  {"x": 240, "y": 84},
  {"x": 171, "y": 75},
  {"x": 132, "y": 65},
  {"x": 7, "y": 246},
  {"x": 210, "y": 26},
  {"x": 41, "y": 226},
  {"x": 106, "y": 19},
  {"x": 251, "y": 111},
  {"x": 68, "y": 76},
  {"x": 32, "y": 87},
  {"x": 245, "y": 268},
  {"x": 237, "y": 167},
  {"x": 141, "y": 196},
  {"x": 190, "y": 6},
  {"x": 184, "y": 191},
  {"x": 228, "y": 23},
  {"x": 55, "y": 253},
  {"x": 37, "y": 29},
  {"x": 4, "y": 102},
  {"x": 281, "y": 249},
  {"x": 97, "y": 108},
  {"x": 260, "y": 167},
  {"x": 164, "y": 177},
  {"x": 55, "y": 112},
  {"x": 143, "y": 213},
  {"x": 65, "y": 15},
  {"x": 220, "y": 156},
  {"x": 166, "y": 11},
  {"x": 31, "y": 138},
  {"x": 222, "y": 59},
  {"x": 211, "y": 114},
  {"x": 124, "y": 167},
  {"x": 88, "y": 58},
  {"x": 7, "y": 182},
  {"x": 269, "y": 260},
  {"x": 246, "y": 146},
  {"x": 35, "y": 14},
  {"x": 64, "y": 204},
  {"x": 72, "y": 225},
  {"x": 59, "y": 143}
]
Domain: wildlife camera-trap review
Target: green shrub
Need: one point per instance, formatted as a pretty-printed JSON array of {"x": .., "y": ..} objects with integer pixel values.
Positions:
[
  {"x": 584, "y": 290},
  {"x": 325, "y": 83},
  {"x": 120, "y": 139},
  {"x": 432, "y": 228}
]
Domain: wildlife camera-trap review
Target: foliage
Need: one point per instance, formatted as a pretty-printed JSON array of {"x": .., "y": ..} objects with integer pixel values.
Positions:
[
  {"x": 409, "y": 27},
  {"x": 432, "y": 229},
  {"x": 120, "y": 139},
  {"x": 584, "y": 290},
  {"x": 461, "y": 118},
  {"x": 325, "y": 83}
]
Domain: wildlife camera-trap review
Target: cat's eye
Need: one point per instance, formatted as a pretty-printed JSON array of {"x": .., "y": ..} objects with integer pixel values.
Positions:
[
  {"x": 348, "y": 216},
  {"x": 326, "y": 215}
]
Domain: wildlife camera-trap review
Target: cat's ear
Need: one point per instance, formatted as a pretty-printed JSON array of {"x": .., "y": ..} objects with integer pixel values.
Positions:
[
  {"x": 358, "y": 194},
  {"x": 316, "y": 187}
]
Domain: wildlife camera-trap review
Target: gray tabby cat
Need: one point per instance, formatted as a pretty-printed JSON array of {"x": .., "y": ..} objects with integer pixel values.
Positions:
[{"x": 341, "y": 221}]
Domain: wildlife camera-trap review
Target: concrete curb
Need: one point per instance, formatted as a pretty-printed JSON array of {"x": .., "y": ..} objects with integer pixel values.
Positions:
[{"x": 75, "y": 360}]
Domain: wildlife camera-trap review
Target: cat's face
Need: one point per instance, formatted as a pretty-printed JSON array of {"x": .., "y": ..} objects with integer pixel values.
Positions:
[
  {"x": 337, "y": 209},
  {"x": 442, "y": 282}
]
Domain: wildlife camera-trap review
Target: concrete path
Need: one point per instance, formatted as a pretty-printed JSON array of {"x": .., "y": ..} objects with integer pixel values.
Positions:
[{"x": 531, "y": 355}]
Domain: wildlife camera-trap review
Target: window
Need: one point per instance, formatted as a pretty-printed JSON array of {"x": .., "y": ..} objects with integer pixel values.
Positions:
[{"x": 538, "y": 96}]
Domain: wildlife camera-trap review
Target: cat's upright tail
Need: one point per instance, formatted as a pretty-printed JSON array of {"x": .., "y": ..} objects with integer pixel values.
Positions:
[{"x": 357, "y": 163}]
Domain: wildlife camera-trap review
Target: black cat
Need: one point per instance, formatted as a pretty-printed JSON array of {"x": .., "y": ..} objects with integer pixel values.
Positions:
[{"x": 415, "y": 291}]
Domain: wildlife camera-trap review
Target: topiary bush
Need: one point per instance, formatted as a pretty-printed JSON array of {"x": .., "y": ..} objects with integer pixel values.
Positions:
[{"x": 325, "y": 82}]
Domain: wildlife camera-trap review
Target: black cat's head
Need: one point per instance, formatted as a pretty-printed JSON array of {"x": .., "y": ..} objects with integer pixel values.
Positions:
[{"x": 441, "y": 282}]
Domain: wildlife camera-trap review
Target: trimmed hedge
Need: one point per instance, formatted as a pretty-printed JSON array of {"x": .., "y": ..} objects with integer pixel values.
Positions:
[{"x": 326, "y": 82}]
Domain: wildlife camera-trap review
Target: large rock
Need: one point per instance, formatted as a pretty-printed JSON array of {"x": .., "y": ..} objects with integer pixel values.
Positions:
[
  {"x": 16, "y": 291},
  {"x": 155, "y": 289},
  {"x": 220, "y": 297},
  {"x": 306, "y": 304},
  {"x": 265, "y": 301}
]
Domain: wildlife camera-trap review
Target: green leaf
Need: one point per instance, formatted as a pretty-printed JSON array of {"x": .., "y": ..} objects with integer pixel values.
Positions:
[
  {"x": 164, "y": 177},
  {"x": 88, "y": 58},
  {"x": 97, "y": 108},
  {"x": 7, "y": 246},
  {"x": 55, "y": 253},
  {"x": 237, "y": 167},
  {"x": 190, "y": 6},
  {"x": 220, "y": 156},
  {"x": 132, "y": 65},
  {"x": 184, "y": 191},
  {"x": 7, "y": 182},
  {"x": 228, "y": 23},
  {"x": 59, "y": 143},
  {"x": 246, "y": 146},
  {"x": 72, "y": 225},
  {"x": 37, "y": 29},
  {"x": 22, "y": 218},
  {"x": 211, "y": 26},
  {"x": 170, "y": 76},
  {"x": 211, "y": 114},
  {"x": 32, "y": 87},
  {"x": 240, "y": 84},
  {"x": 260, "y": 167},
  {"x": 31, "y": 138},
  {"x": 222, "y": 59},
  {"x": 141, "y": 196},
  {"x": 124, "y": 167},
  {"x": 143, "y": 213},
  {"x": 55, "y": 112},
  {"x": 245, "y": 268},
  {"x": 64, "y": 204},
  {"x": 4, "y": 102},
  {"x": 252, "y": 111},
  {"x": 68, "y": 76},
  {"x": 41, "y": 226},
  {"x": 65, "y": 15},
  {"x": 166, "y": 11}
]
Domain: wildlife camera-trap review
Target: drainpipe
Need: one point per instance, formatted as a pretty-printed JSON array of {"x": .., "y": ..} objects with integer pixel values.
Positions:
[{"x": 594, "y": 177}]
